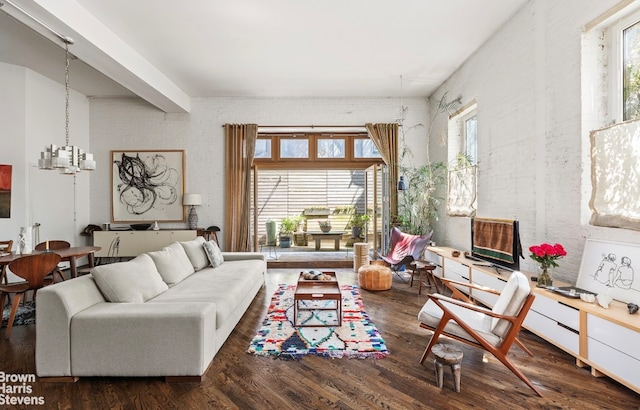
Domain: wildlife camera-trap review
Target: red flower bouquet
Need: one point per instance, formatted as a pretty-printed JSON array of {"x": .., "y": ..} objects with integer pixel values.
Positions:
[{"x": 547, "y": 254}]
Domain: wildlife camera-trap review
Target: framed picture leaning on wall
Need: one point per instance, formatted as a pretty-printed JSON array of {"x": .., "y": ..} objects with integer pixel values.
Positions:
[{"x": 147, "y": 186}]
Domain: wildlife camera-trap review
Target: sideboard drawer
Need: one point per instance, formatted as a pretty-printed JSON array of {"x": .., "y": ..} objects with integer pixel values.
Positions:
[
  {"x": 618, "y": 365},
  {"x": 558, "y": 334},
  {"x": 557, "y": 311},
  {"x": 432, "y": 257},
  {"x": 615, "y": 336}
]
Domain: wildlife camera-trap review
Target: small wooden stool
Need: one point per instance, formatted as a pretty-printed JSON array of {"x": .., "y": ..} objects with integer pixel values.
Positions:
[
  {"x": 450, "y": 356},
  {"x": 427, "y": 268}
]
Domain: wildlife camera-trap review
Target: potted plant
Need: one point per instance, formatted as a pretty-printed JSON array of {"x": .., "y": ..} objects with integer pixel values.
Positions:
[
  {"x": 287, "y": 228},
  {"x": 325, "y": 225},
  {"x": 358, "y": 222}
]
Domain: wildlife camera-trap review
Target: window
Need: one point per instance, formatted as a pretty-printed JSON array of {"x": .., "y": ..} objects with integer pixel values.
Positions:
[
  {"x": 624, "y": 70},
  {"x": 331, "y": 148},
  {"x": 365, "y": 148},
  {"x": 611, "y": 107},
  {"x": 294, "y": 148},
  {"x": 319, "y": 150},
  {"x": 263, "y": 148},
  {"x": 463, "y": 158},
  {"x": 470, "y": 137},
  {"x": 631, "y": 72}
]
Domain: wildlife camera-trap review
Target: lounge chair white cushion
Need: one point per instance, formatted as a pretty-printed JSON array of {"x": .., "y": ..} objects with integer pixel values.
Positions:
[
  {"x": 431, "y": 314},
  {"x": 510, "y": 302}
]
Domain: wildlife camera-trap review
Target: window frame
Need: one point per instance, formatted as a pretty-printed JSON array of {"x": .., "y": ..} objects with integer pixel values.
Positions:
[
  {"x": 616, "y": 64},
  {"x": 313, "y": 161}
]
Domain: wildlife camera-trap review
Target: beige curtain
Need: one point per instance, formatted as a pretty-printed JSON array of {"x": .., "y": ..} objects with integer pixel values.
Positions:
[
  {"x": 240, "y": 148},
  {"x": 385, "y": 138}
]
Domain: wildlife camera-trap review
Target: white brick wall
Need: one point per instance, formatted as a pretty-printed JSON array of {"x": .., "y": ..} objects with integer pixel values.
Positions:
[
  {"x": 117, "y": 124},
  {"x": 527, "y": 81}
]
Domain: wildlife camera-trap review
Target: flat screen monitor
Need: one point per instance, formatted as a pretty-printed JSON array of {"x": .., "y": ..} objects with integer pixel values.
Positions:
[{"x": 496, "y": 241}]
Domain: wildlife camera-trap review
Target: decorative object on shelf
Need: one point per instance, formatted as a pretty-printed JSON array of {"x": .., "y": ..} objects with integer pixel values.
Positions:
[
  {"x": 604, "y": 300},
  {"x": 633, "y": 308},
  {"x": 147, "y": 186},
  {"x": 546, "y": 255},
  {"x": 192, "y": 200},
  {"x": 155, "y": 226},
  {"x": 68, "y": 159},
  {"x": 140, "y": 227},
  {"x": 325, "y": 226},
  {"x": 588, "y": 297}
]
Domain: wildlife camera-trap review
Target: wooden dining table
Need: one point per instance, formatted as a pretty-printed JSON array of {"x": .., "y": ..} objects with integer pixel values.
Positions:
[{"x": 70, "y": 255}]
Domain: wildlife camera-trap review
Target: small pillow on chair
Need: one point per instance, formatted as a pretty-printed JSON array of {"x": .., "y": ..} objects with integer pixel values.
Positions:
[{"x": 213, "y": 253}]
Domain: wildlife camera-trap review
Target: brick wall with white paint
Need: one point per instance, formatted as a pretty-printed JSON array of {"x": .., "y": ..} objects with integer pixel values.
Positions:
[
  {"x": 531, "y": 140},
  {"x": 132, "y": 124}
]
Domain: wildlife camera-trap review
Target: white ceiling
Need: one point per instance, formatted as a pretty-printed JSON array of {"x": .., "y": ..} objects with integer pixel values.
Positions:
[{"x": 168, "y": 51}]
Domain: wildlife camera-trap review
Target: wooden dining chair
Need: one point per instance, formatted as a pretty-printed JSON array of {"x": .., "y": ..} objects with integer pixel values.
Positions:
[
  {"x": 34, "y": 270},
  {"x": 5, "y": 247},
  {"x": 53, "y": 245}
]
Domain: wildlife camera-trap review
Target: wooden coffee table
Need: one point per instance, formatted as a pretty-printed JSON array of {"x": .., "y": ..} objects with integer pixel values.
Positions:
[{"x": 317, "y": 290}]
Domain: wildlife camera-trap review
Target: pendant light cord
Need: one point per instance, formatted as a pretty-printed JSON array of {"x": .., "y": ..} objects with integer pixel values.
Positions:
[{"x": 66, "y": 89}]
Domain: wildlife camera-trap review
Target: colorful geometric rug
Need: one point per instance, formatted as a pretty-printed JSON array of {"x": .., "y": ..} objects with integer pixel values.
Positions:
[
  {"x": 358, "y": 337},
  {"x": 26, "y": 315}
]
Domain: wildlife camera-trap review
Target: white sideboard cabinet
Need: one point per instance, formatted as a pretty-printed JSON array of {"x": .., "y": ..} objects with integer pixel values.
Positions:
[
  {"x": 606, "y": 340},
  {"x": 129, "y": 244}
]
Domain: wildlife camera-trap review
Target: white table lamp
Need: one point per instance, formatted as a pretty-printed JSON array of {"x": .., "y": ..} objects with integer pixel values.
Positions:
[{"x": 192, "y": 200}]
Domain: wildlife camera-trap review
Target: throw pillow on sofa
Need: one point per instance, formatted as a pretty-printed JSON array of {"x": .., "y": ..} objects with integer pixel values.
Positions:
[
  {"x": 172, "y": 263},
  {"x": 213, "y": 253},
  {"x": 196, "y": 253},
  {"x": 135, "y": 281}
]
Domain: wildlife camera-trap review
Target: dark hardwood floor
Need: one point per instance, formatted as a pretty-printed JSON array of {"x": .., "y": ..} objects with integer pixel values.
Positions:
[{"x": 237, "y": 380}]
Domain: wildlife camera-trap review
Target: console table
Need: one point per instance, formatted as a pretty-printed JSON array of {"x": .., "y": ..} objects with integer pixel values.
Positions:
[
  {"x": 134, "y": 243},
  {"x": 607, "y": 340}
]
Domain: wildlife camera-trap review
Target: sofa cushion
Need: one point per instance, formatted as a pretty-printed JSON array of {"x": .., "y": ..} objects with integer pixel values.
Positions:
[
  {"x": 172, "y": 263},
  {"x": 195, "y": 252},
  {"x": 134, "y": 281},
  {"x": 213, "y": 253}
]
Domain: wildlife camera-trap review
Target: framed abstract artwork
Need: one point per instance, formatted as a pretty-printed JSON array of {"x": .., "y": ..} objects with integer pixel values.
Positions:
[{"x": 147, "y": 186}]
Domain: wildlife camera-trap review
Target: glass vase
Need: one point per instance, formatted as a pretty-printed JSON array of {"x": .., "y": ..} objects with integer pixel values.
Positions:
[{"x": 544, "y": 278}]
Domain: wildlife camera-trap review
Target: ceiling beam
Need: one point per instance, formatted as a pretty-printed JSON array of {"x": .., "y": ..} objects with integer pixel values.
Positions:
[{"x": 100, "y": 48}]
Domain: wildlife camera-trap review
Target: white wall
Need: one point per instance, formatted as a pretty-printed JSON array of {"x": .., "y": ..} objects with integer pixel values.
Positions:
[
  {"x": 32, "y": 115},
  {"x": 132, "y": 124},
  {"x": 526, "y": 80}
]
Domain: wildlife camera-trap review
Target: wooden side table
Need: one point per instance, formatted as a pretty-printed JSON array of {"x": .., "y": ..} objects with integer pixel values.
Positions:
[
  {"x": 450, "y": 356},
  {"x": 427, "y": 268}
]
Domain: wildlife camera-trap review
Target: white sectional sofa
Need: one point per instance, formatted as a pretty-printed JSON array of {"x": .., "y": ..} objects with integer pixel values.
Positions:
[{"x": 164, "y": 313}]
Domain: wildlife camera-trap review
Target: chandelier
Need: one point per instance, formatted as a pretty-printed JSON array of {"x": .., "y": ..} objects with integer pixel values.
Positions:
[{"x": 68, "y": 159}]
